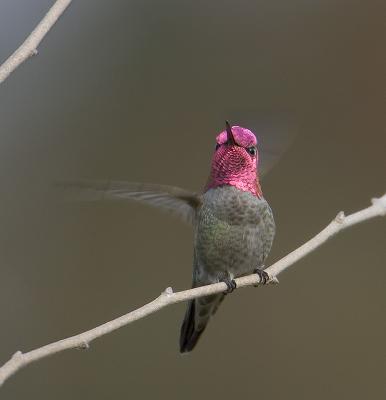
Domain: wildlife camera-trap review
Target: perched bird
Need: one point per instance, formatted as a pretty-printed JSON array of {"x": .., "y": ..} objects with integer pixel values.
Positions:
[{"x": 233, "y": 224}]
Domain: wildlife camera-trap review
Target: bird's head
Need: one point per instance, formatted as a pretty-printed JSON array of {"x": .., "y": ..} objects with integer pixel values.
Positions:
[{"x": 235, "y": 161}]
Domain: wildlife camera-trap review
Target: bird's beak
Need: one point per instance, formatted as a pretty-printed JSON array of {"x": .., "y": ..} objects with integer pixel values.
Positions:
[{"x": 230, "y": 138}]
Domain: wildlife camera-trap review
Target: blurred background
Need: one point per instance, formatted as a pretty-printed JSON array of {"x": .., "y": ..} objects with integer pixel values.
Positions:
[{"x": 137, "y": 91}]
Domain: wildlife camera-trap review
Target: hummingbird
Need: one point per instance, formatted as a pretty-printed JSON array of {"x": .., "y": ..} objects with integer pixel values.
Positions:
[{"x": 232, "y": 222}]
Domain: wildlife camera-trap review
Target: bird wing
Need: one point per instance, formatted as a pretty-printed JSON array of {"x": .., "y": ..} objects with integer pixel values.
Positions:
[{"x": 177, "y": 201}]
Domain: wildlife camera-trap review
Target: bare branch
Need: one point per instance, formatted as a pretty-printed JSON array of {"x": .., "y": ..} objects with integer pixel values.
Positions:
[
  {"x": 30, "y": 45},
  {"x": 19, "y": 360}
]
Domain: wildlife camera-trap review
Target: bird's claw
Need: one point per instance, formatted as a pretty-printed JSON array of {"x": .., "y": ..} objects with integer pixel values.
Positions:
[
  {"x": 231, "y": 285},
  {"x": 264, "y": 277}
]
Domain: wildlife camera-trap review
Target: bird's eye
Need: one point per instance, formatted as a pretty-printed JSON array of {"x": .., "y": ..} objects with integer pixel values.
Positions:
[
  {"x": 217, "y": 145},
  {"x": 252, "y": 150}
]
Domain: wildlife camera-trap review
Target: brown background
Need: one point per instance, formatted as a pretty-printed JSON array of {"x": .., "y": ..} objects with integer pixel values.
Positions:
[{"x": 138, "y": 90}]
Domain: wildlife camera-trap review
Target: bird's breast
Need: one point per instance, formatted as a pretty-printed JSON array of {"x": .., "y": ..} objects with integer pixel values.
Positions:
[{"x": 234, "y": 231}]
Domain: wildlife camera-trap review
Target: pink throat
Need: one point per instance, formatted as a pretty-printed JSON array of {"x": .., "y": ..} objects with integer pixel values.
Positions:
[
  {"x": 232, "y": 166},
  {"x": 245, "y": 185}
]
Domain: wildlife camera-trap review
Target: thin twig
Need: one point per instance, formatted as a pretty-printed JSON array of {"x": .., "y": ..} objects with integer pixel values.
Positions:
[
  {"x": 30, "y": 45},
  {"x": 19, "y": 360}
]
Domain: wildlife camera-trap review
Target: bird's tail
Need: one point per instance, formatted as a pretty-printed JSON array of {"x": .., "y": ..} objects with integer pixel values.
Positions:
[{"x": 196, "y": 318}]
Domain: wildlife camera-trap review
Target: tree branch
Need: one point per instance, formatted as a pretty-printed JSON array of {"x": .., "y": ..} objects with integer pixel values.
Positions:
[
  {"x": 19, "y": 360},
  {"x": 30, "y": 45}
]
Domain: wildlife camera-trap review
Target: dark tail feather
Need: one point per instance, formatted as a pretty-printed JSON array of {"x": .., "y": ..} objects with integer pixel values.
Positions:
[
  {"x": 189, "y": 335},
  {"x": 196, "y": 318}
]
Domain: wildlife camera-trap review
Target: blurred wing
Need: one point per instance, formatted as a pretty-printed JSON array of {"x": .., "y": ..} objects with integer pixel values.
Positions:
[
  {"x": 179, "y": 202},
  {"x": 272, "y": 149}
]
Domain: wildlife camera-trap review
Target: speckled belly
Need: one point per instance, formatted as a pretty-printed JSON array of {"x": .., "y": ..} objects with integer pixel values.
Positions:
[{"x": 233, "y": 235}]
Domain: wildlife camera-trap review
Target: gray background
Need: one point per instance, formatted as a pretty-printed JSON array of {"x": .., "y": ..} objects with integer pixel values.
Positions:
[{"x": 138, "y": 90}]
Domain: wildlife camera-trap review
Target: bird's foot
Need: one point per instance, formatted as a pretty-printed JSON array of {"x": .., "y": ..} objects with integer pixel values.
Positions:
[
  {"x": 264, "y": 277},
  {"x": 231, "y": 285}
]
